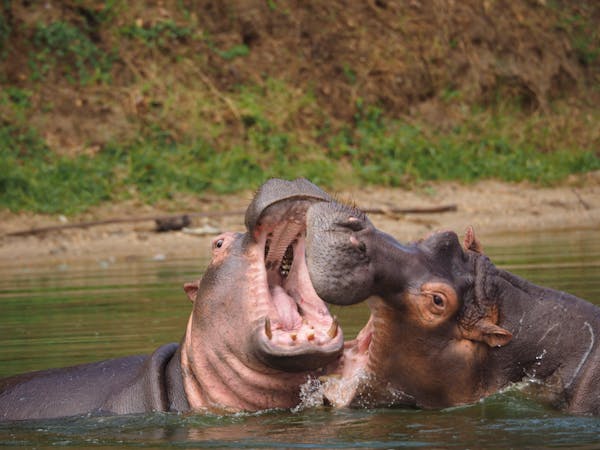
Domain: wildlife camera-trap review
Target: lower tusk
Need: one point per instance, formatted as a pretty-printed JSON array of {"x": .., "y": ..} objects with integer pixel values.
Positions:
[
  {"x": 268, "y": 328},
  {"x": 333, "y": 329}
]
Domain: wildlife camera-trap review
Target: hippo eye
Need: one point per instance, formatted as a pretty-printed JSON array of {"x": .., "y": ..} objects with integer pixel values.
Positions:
[
  {"x": 438, "y": 300},
  {"x": 219, "y": 243}
]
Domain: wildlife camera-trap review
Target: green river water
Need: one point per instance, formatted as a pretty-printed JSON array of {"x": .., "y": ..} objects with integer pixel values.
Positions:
[{"x": 59, "y": 315}]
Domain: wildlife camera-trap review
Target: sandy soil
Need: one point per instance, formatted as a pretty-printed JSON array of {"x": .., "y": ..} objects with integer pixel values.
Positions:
[{"x": 492, "y": 207}]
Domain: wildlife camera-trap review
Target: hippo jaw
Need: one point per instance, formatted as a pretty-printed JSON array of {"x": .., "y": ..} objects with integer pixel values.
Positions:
[{"x": 296, "y": 332}]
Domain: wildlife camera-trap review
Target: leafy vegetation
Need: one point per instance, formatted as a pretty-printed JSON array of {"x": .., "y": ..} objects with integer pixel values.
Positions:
[
  {"x": 233, "y": 52},
  {"x": 395, "y": 153},
  {"x": 584, "y": 34},
  {"x": 376, "y": 150},
  {"x": 197, "y": 115},
  {"x": 67, "y": 47},
  {"x": 160, "y": 34}
]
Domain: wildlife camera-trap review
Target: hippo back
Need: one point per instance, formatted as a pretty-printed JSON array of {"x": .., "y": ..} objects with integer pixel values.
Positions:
[{"x": 131, "y": 384}]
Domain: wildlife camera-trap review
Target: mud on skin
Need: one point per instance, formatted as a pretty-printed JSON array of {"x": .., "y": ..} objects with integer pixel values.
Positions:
[
  {"x": 257, "y": 331},
  {"x": 447, "y": 327}
]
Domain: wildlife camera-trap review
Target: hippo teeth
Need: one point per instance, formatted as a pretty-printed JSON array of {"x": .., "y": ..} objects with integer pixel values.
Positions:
[
  {"x": 286, "y": 262},
  {"x": 268, "y": 331},
  {"x": 333, "y": 329}
]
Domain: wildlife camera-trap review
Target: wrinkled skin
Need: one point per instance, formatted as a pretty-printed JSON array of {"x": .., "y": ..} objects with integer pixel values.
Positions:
[
  {"x": 257, "y": 331},
  {"x": 447, "y": 327}
]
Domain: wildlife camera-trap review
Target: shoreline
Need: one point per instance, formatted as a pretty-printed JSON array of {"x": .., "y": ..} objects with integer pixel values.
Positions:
[{"x": 493, "y": 208}]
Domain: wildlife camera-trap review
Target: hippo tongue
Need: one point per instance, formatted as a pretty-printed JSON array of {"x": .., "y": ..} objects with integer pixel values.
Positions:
[{"x": 289, "y": 318}]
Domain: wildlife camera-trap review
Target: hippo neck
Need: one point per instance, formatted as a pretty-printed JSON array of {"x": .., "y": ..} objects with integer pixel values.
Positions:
[
  {"x": 554, "y": 333},
  {"x": 215, "y": 378}
]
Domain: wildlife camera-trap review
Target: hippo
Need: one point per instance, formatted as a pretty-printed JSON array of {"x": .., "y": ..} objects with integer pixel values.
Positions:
[
  {"x": 447, "y": 327},
  {"x": 256, "y": 333}
]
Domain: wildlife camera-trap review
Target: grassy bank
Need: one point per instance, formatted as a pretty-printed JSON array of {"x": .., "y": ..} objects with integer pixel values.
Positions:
[
  {"x": 503, "y": 144},
  {"x": 103, "y": 102}
]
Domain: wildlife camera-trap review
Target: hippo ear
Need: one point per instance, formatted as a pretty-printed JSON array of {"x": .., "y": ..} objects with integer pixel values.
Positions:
[
  {"x": 470, "y": 242},
  {"x": 488, "y": 332},
  {"x": 191, "y": 289}
]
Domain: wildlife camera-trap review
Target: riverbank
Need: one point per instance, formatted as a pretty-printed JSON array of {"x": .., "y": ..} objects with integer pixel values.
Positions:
[{"x": 493, "y": 208}]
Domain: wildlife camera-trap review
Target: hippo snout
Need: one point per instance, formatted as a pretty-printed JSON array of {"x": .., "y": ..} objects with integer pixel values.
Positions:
[{"x": 338, "y": 253}]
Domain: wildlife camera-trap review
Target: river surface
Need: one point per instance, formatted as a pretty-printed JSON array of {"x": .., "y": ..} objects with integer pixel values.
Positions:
[{"x": 59, "y": 315}]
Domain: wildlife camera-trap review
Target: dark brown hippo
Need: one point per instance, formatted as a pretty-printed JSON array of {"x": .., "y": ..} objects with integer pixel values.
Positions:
[
  {"x": 256, "y": 332},
  {"x": 447, "y": 327}
]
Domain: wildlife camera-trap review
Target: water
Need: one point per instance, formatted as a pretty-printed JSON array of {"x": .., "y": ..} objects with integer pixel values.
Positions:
[{"x": 54, "y": 316}]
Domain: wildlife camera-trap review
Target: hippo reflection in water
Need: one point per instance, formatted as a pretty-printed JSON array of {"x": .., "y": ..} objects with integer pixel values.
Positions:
[
  {"x": 256, "y": 333},
  {"x": 447, "y": 327}
]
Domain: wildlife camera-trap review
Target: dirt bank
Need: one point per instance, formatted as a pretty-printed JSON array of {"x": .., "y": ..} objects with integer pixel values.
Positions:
[
  {"x": 426, "y": 59},
  {"x": 491, "y": 207}
]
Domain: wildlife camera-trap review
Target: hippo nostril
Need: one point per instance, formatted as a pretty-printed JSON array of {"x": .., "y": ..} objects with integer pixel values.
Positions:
[
  {"x": 359, "y": 244},
  {"x": 286, "y": 262},
  {"x": 352, "y": 223}
]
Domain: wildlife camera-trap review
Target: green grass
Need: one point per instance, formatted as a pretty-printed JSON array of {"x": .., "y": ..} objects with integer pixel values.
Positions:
[
  {"x": 159, "y": 34},
  {"x": 394, "y": 153},
  {"x": 583, "y": 33},
  {"x": 282, "y": 133},
  {"x": 42, "y": 182},
  {"x": 68, "y": 48},
  {"x": 374, "y": 150},
  {"x": 235, "y": 51},
  {"x": 193, "y": 135}
]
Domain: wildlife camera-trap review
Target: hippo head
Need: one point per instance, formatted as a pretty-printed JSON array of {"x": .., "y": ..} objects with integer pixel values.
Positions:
[
  {"x": 255, "y": 309},
  {"x": 350, "y": 260},
  {"x": 431, "y": 318}
]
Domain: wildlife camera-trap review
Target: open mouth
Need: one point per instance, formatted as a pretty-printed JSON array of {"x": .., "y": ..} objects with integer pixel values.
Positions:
[{"x": 297, "y": 321}]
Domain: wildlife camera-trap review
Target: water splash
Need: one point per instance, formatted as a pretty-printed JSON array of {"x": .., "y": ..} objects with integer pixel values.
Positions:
[
  {"x": 333, "y": 390},
  {"x": 311, "y": 395}
]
